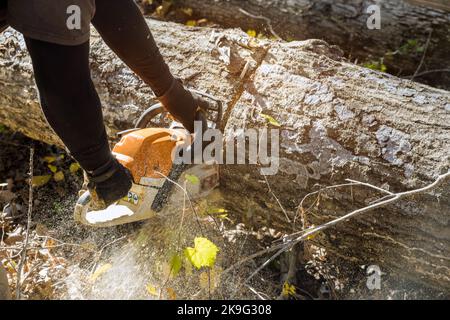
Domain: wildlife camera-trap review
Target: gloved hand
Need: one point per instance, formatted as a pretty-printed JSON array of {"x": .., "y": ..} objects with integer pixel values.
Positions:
[{"x": 183, "y": 105}]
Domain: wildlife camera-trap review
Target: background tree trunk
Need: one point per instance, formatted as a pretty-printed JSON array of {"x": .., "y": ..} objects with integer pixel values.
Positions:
[
  {"x": 337, "y": 121},
  {"x": 401, "y": 41}
]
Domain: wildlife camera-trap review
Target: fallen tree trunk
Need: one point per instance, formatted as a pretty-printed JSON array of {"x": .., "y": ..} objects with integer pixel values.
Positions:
[
  {"x": 401, "y": 41},
  {"x": 337, "y": 121}
]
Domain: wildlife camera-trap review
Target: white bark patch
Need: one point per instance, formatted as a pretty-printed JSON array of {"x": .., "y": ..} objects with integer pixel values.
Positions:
[
  {"x": 394, "y": 146},
  {"x": 343, "y": 112},
  {"x": 329, "y": 153}
]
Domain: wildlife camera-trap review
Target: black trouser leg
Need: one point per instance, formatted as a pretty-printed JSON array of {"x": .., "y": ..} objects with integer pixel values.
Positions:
[{"x": 69, "y": 100}]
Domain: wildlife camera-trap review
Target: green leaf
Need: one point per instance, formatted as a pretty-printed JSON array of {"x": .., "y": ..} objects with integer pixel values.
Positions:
[
  {"x": 192, "y": 179},
  {"x": 203, "y": 254},
  {"x": 175, "y": 264},
  {"x": 271, "y": 120},
  {"x": 52, "y": 168}
]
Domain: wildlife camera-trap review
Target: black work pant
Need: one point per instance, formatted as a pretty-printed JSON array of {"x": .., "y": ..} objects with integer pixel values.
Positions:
[{"x": 68, "y": 97}]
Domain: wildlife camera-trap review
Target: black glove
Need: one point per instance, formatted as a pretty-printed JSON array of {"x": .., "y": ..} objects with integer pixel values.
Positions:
[{"x": 184, "y": 105}]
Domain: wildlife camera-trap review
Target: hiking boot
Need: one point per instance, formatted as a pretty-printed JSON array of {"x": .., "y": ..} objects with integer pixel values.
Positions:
[{"x": 108, "y": 184}]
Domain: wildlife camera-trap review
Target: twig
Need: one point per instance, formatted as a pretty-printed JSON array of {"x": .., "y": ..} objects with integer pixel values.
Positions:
[
  {"x": 304, "y": 234},
  {"x": 276, "y": 198},
  {"x": 180, "y": 229},
  {"x": 428, "y": 72},
  {"x": 423, "y": 56},
  {"x": 268, "y": 22},
  {"x": 188, "y": 197},
  {"x": 94, "y": 266},
  {"x": 23, "y": 256},
  {"x": 255, "y": 292}
]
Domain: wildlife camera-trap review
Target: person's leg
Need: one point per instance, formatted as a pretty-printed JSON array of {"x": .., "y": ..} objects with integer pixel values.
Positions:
[
  {"x": 123, "y": 28},
  {"x": 72, "y": 108},
  {"x": 69, "y": 100}
]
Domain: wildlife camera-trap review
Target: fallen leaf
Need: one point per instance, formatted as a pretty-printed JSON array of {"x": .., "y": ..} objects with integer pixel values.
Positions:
[
  {"x": 192, "y": 179},
  {"x": 203, "y": 254},
  {"x": 152, "y": 290},
  {"x": 58, "y": 176},
  {"x": 288, "y": 290},
  {"x": 38, "y": 181},
  {"x": 271, "y": 120},
  {"x": 49, "y": 159},
  {"x": 52, "y": 168},
  {"x": 251, "y": 33},
  {"x": 74, "y": 167},
  {"x": 191, "y": 23},
  {"x": 187, "y": 11},
  {"x": 100, "y": 271},
  {"x": 175, "y": 264}
]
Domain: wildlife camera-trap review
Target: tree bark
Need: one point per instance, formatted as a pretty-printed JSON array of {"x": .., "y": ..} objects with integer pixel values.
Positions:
[
  {"x": 337, "y": 121},
  {"x": 401, "y": 41}
]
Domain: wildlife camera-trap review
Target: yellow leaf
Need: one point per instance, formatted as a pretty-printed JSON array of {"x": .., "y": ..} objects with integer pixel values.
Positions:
[
  {"x": 187, "y": 11},
  {"x": 203, "y": 254},
  {"x": 100, "y": 271},
  {"x": 52, "y": 168},
  {"x": 58, "y": 176},
  {"x": 38, "y": 181},
  {"x": 251, "y": 33},
  {"x": 271, "y": 120},
  {"x": 191, "y": 23},
  {"x": 311, "y": 236},
  {"x": 49, "y": 159},
  {"x": 288, "y": 290},
  {"x": 74, "y": 167},
  {"x": 152, "y": 290}
]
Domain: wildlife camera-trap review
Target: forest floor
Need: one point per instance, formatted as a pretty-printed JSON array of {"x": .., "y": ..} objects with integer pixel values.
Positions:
[{"x": 65, "y": 260}]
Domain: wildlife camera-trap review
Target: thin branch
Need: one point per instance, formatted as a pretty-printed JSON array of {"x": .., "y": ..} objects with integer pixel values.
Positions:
[
  {"x": 428, "y": 72},
  {"x": 423, "y": 56},
  {"x": 305, "y": 234},
  {"x": 23, "y": 255},
  {"x": 188, "y": 197},
  {"x": 276, "y": 198},
  {"x": 268, "y": 22}
]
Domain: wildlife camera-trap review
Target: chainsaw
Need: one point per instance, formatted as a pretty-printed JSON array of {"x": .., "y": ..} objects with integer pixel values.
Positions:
[{"x": 147, "y": 151}]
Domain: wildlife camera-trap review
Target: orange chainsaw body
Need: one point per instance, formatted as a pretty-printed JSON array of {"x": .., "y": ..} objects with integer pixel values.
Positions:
[{"x": 147, "y": 153}]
